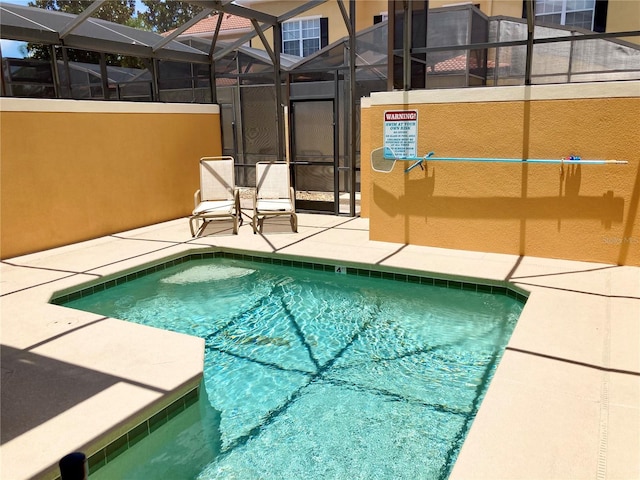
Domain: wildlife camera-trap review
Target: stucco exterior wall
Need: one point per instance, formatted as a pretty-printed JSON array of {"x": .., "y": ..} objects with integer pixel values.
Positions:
[
  {"x": 624, "y": 16},
  {"x": 512, "y": 8},
  {"x": 579, "y": 212},
  {"x": 72, "y": 171}
]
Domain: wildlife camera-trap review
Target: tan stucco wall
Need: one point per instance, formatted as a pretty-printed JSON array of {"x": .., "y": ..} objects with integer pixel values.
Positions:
[
  {"x": 365, "y": 11},
  {"x": 511, "y": 8},
  {"x": 75, "y": 170},
  {"x": 624, "y": 16},
  {"x": 587, "y": 212}
]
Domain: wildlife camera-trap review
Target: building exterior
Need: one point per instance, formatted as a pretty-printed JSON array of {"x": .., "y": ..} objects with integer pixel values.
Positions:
[
  {"x": 595, "y": 15},
  {"x": 314, "y": 29},
  {"x": 302, "y": 35}
]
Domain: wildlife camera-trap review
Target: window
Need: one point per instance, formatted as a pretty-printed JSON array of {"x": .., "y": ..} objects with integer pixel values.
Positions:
[
  {"x": 575, "y": 13},
  {"x": 380, "y": 18},
  {"x": 304, "y": 37}
]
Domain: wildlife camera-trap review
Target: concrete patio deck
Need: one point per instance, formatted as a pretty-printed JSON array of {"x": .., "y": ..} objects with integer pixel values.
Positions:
[{"x": 564, "y": 403}]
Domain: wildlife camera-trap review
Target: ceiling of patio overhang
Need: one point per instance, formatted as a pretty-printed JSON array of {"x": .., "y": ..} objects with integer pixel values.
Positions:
[{"x": 30, "y": 24}]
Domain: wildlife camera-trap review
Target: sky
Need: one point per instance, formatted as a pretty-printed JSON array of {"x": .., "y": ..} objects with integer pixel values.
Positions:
[{"x": 11, "y": 48}]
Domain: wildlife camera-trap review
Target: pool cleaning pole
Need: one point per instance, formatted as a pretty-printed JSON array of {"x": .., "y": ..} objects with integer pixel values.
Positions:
[{"x": 570, "y": 160}]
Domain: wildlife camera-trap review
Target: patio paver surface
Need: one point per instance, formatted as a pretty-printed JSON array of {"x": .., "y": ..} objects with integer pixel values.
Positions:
[{"x": 564, "y": 403}]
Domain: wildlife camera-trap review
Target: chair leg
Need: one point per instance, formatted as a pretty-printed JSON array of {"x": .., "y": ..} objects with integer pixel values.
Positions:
[
  {"x": 254, "y": 224},
  {"x": 235, "y": 225},
  {"x": 191, "y": 220},
  {"x": 294, "y": 223},
  {"x": 238, "y": 209}
]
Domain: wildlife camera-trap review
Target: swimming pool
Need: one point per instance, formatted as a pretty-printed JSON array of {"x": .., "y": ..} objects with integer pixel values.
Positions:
[{"x": 321, "y": 375}]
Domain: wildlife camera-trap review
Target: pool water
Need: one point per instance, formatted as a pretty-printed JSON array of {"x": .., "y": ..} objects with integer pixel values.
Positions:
[{"x": 318, "y": 375}]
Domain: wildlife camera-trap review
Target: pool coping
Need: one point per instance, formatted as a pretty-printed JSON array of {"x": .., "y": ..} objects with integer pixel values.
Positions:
[{"x": 546, "y": 360}]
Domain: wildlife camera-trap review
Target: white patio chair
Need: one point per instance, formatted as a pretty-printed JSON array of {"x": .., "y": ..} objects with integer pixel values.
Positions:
[
  {"x": 218, "y": 196},
  {"x": 273, "y": 195}
]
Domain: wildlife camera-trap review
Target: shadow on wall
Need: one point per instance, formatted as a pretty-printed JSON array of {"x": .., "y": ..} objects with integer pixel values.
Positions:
[
  {"x": 567, "y": 205},
  {"x": 511, "y": 218},
  {"x": 628, "y": 237}
]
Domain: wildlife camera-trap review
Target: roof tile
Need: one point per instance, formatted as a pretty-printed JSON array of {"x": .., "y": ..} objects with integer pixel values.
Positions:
[{"x": 229, "y": 22}]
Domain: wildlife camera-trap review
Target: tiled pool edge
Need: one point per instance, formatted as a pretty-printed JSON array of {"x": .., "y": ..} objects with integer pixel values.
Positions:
[
  {"x": 355, "y": 269},
  {"x": 131, "y": 437}
]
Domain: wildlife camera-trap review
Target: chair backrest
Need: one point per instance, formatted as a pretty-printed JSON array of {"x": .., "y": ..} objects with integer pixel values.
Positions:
[
  {"x": 272, "y": 180},
  {"x": 217, "y": 178}
]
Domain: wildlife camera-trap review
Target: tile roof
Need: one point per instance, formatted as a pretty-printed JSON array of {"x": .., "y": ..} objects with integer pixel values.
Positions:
[
  {"x": 208, "y": 25},
  {"x": 459, "y": 63},
  {"x": 229, "y": 22}
]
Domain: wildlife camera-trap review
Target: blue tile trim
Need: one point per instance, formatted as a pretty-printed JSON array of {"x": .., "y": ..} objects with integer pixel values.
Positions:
[
  {"x": 510, "y": 291},
  {"x": 120, "y": 445}
]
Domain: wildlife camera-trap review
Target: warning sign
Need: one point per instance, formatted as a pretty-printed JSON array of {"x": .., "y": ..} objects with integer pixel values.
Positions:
[{"x": 401, "y": 133}]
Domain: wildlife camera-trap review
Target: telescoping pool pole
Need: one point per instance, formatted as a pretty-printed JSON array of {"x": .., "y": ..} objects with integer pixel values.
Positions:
[{"x": 569, "y": 160}]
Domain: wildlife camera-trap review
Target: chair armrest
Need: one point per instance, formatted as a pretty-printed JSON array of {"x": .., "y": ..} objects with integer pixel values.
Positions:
[
  {"x": 292, "y": 193},
  {"x": 196, "y": 198}
]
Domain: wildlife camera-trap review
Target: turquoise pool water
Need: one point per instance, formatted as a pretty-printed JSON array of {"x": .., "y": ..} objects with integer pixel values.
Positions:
[{"x": 319, "y": 375}]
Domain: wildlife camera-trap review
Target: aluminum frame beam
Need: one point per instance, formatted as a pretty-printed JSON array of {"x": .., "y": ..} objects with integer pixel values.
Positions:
[
  {"x": 80, "y": 19},
  {"x": 229, "y": 7},
  {"x": 242, "y": 40},
  {"x": 265, "y": 43},
  {"x": 530, "y": 34},
  {"x": 202, "y": 15}
]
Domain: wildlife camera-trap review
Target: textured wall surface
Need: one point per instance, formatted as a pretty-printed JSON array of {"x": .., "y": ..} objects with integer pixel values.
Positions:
[
  {"x": 579, "y": 212},
  {"x": 73, "y": 170}
]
